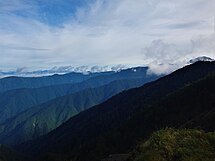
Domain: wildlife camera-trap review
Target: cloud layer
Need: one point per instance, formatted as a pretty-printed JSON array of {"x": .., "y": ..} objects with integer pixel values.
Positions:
[{"x": 104, "y": 32}]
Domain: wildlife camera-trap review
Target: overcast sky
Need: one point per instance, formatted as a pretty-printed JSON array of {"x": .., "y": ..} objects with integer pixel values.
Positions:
[{"x": 39, "y": 34}]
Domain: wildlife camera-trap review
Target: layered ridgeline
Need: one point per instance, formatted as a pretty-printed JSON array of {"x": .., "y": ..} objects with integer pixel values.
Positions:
[
  {"x": 117, "y": 124},
  {"x": 43, "y": 118},
  {"x": 15, "y": 101},
  {"x": 10, "y": 83},
  {"x": 13, "y": 82}
]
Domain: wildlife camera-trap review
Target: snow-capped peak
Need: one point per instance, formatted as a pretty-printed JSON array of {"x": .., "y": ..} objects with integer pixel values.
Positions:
[
  {"x": 202, "y": 58},
  {"x": 23, "y": 72}
]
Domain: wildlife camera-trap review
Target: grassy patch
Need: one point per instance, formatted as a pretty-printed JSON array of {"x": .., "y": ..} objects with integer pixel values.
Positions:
[{"x": 177, "y": 145}]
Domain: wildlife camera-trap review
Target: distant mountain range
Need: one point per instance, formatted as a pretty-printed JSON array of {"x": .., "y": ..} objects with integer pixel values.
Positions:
[
  {"x": 43, "y": 118},
  {"x": 10, "y": 83},
  {"x": 63, "y": 70},
  {"x": 114, "y": 126},
  {"x": 28, "y": 113},
  {"x": 15, "y": 101}
]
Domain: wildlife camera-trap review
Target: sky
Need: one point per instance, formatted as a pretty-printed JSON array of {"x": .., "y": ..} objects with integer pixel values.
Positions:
[{"x": 163, "y": 34}]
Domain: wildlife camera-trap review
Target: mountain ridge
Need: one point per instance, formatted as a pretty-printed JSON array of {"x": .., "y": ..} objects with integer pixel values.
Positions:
[
  {"x": 14, "y": 82},
  {"x": 18, "y": 100}
]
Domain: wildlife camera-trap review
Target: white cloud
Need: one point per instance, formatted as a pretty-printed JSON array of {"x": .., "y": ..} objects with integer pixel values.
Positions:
[
  {"x": 8, "y": 6},
  {"x": 109, "y": 32}
]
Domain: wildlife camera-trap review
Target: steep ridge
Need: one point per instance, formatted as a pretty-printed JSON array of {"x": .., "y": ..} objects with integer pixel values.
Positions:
[
  {"x": 99, "y": 131},
  {"x": 15, "y": 101},
  {"x": 41, "y": 119},
  {"x": 177, "y": 110}
]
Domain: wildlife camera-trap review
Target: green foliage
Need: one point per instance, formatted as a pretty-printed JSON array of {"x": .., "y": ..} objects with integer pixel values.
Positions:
[{"x": 177, "y": 145}]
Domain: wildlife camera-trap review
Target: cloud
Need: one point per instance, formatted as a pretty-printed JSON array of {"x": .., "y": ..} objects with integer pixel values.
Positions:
[
  {"x": 165, "y": 57},
  {"x": 23, "y": 48},
  {"x": 186, "y": 25},
  {"x": 21, "y": 70},
  {"x": 11, "y": 6},
  {"x": 104, "y": 32},
  {"x": 159, "y": 69}
]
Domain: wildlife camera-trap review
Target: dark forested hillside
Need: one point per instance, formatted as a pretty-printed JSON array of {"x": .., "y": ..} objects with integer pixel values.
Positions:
[
  {"x": 115, "y": 125},
  {"x": 6, "y": 154}
]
